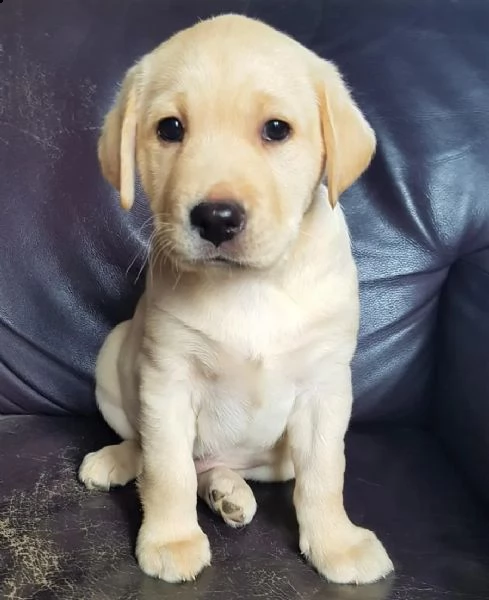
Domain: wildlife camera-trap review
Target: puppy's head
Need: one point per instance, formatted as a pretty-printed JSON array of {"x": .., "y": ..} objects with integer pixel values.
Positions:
[{"x": 232, "y": 126}]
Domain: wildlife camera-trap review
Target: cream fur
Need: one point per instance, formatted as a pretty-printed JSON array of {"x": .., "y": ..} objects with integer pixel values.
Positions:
[{"x": 227, "y": 373}]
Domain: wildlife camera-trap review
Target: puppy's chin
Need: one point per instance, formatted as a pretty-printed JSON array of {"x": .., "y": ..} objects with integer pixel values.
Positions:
[
  {"x": 227, "y": 265},
  {"x": 180, "y": 262}
]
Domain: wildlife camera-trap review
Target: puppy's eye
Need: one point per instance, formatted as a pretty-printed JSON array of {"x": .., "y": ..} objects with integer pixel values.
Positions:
[
  {"x": 275, "y": 130},
  {"x": 170, "y": 130}
]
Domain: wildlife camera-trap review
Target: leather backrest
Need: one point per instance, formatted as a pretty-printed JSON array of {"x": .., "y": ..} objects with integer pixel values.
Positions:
[{"x": 70, "y": 258}]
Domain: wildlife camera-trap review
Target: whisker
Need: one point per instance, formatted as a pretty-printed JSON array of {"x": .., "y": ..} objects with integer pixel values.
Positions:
[
  {"x": 143, "y": 266},
  {"x": 177, "y": 281},
  {"x": 136, "y": 236}
]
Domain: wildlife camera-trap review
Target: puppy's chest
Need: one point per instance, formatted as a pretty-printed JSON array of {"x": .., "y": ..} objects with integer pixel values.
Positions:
[
  {"x": 244, "y": 404},
  {"x": 248, "y": 356}
]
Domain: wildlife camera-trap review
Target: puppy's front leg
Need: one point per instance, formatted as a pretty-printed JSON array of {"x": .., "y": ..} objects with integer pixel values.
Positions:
[
  {"x": 339, "y": 550},
  {"x": 170, "y": 543}
]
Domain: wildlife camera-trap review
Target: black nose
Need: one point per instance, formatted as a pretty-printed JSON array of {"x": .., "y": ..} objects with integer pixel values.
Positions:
[{"x": 218, "y": 222}]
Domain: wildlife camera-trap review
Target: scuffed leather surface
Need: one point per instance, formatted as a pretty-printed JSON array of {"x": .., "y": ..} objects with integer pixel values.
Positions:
[
  {"x": 463, "y": 369},
  {"x": 62, "y": 542},
  {"x": 70, "y": 258}
]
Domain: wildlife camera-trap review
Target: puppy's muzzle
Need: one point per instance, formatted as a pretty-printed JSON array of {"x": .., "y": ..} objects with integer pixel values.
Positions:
[{"x": 218, "y": 222}]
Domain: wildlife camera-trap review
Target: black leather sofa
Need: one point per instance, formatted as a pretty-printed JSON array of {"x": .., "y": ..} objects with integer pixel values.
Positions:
[{"x": 70, "y": 268}]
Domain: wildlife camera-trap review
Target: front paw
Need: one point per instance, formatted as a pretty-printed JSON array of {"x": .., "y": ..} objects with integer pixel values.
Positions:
[
  {"x": 173, "y": 561},
  {"x": 354, "y": 556}
]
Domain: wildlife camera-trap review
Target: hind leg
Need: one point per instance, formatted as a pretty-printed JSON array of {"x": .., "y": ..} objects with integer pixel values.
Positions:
[
  {"x": 228, "y": 495},
  {"x": 111, "y": 466},
  {"x": 225, "y": 490}
]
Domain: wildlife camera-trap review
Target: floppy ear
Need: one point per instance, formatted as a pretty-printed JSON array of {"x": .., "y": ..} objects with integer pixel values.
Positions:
[
  {"x": 117, "y": 143},
  {"x": 348, "y": 139}
]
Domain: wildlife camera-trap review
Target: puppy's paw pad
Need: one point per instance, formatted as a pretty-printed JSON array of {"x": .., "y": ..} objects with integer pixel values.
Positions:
[
  {"x": 111, "y": 466},
  {"x": 229, "y": 508},
  {"x": 233, "y": 499},
  {"x": 363, "y": 560},
  {"x": 175, "y": 561}
]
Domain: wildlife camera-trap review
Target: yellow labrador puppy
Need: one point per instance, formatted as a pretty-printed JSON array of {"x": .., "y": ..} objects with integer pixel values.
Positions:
[{"x": 236, "y": 364}]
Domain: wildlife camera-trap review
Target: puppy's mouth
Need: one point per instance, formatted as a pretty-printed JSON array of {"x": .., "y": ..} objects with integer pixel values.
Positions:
[
  {"x": 222, "y": 261},
  {"x": 186, "y": 262}
]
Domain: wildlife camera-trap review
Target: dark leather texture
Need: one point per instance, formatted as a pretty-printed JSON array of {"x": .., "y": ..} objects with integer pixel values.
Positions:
[
  {"x": 60, "y": 541},
  {"x": 462, "y": 408},
  {"x": 71, "y": 267}
]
